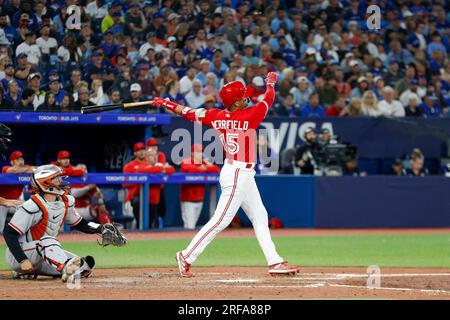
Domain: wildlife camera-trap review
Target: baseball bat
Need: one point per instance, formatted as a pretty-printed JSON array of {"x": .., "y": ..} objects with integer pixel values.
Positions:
[{"x": 96, "y": 109}]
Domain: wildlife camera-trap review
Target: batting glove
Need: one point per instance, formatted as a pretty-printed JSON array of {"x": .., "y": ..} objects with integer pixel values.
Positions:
[
  {"x": 271, "y": 78},
  {"x": 166, "y": 103}
]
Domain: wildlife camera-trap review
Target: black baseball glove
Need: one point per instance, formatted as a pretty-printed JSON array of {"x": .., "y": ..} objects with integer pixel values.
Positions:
[{"x": 111, "y": 235}]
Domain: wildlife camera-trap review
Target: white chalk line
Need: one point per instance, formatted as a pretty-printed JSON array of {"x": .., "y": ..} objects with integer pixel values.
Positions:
[
  {"x": 331, "y": 276},
  {"x": 389, "y": 288}
]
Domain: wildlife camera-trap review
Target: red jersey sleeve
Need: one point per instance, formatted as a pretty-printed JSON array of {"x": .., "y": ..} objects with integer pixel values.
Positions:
[
  {"x": 212, "y": 168},
  {"x": 128, "y": 168},
  {"x": 152, "y": 169},
  {"x": 162, "y": 157},
  {"x": 189, "y": 167},
  {"x": 73, "y": 172},
  {"x": 5, "y": 169},
  {"x": 205, "y": 117},
  {"x": 259, "y": 111},
  {"x": 169, "y": 169}
]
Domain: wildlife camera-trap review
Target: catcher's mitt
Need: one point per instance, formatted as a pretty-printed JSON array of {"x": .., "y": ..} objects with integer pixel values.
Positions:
[{"x": 111, "y": 235}]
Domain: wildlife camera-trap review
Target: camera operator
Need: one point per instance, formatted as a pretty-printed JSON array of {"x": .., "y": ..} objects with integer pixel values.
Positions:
[
  {"x": 304, "y": 158},
  {"x": 324, "y": 137}
]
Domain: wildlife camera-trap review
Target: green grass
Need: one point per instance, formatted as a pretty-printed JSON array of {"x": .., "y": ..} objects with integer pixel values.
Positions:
[{"x": 407, "y": 250}]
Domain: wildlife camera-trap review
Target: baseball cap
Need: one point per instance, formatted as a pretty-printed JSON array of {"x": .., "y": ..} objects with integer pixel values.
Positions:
[
  {"x": 53, "y": 80},
  {"x": 138, "y": 146},
  {"x": 414, "y": 82},
  {"x": 145, "y": 66},
  {"x": 151, "y": 142},
  {"x": 375, "y": 80},
  {"x": 151, "y": 34},
  {"x": 361, "y": 79},
  {"x": 9, "y": 65},
  {"x": 24, "y": 16},
  {"x": 63, "y": 154},
  {"x": 302, "y": 79},
  {"x": 135, "y": 87},
  {"x": 22, "y": 55},
  {"x": 353, "y": 63},
  {"x": 171, "y": 39},
  {"x": 34, "y": 75},
  {"x": 16, "y": 155},
  {"x": 310, "y": 51},
  {"x": 96, "y": 53},
  {"x": 258, "y": 81},
  {"x": 173, "y": 16}
]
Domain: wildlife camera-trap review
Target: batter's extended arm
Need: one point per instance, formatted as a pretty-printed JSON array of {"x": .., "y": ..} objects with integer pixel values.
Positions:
[{"x": 193, "y": 115}]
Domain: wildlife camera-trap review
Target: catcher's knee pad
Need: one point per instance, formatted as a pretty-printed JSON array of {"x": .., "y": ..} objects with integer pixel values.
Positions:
[
  {"x": 50, "y": 250},
  {"x": 87, "y": 266}
]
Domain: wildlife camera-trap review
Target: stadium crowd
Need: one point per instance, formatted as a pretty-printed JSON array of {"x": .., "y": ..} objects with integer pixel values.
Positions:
[{"x": 330, "y": 63}]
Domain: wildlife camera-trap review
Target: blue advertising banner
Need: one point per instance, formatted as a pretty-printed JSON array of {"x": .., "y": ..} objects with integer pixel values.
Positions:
[
  {"x": 120, "y": 178},
  {"x": 84, "y": 119},
  {"x": 375, "y": 138}
]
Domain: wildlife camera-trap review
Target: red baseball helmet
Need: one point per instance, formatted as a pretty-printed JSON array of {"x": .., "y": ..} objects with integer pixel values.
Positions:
[{"x": 234, "y": 91}]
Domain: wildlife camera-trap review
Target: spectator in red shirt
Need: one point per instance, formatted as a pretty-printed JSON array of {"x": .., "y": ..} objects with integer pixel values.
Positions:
[
  {"x": 337, "y": 109},
  {"x": 11, "y": 195},
  {"x": 155, "y": 167},
  {"x": 132, "y": 198},
  {"x": 84, "y": 193},
  {"x": 192, "y": 195}
]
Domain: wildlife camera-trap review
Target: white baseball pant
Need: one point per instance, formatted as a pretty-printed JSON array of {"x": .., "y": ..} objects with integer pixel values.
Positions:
[
  {"x": 190, "y": 212},
  {"x": 239, "y": 189}
]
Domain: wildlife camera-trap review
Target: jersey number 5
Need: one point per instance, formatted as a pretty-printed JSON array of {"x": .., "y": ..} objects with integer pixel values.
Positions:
[{"x": 230, "y": 143}]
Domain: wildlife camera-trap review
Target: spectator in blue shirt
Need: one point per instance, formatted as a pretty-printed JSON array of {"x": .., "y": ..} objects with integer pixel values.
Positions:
[
  {"x": 55, "y": 88},
  {"x": 99, "y": 69},
  {"x": 10, "y": 32},
  {"x": 397, "y": 53},
  {"x": 279, "y": 19},
  {"x": 436, "y": 45},
  {"x": 430, "y": 107},
  {"x": 109, "y": 47},
  {"x": 289, "y": 55},
  {"x": 312, "y": 109}
]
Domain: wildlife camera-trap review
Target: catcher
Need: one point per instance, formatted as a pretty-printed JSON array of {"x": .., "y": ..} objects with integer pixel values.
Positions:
[{"x": 31, "y": 235}]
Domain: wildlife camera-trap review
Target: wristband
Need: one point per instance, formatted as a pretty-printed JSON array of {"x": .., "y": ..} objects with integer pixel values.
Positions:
[
  {"x": 185, "y": 110},
  {"x": 169, "y": 105}
]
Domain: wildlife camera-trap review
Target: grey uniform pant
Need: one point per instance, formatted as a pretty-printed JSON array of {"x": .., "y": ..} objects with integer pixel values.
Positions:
[{"x": 46, "y": 256}]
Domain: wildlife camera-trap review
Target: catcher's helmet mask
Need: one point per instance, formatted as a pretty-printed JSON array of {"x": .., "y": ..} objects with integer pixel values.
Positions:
[{"x": 42, "y": 180}]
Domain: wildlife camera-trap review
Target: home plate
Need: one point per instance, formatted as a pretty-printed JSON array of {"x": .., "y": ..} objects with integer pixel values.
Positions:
[{"x": 238, "y": 280}]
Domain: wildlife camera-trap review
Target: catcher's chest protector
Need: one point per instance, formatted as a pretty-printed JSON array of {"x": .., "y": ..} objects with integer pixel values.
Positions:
[{"x": 53, "y": 215}]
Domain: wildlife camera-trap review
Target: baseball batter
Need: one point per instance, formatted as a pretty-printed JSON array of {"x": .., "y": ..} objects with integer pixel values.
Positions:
[
  {"x": 31, "y": 235},
  {"x": 236, "y": 126}
]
